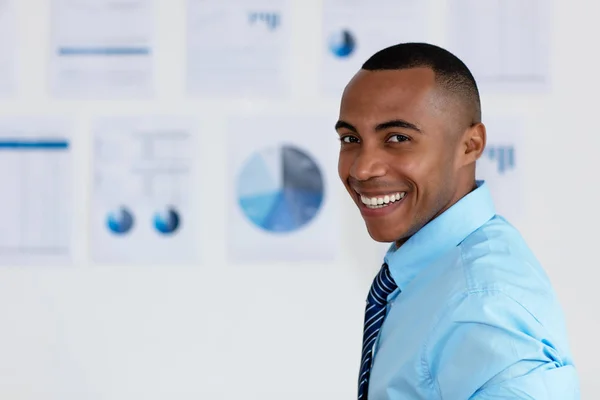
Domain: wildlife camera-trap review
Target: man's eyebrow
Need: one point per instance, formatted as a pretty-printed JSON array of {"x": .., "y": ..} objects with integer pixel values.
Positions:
[
  {"x": 397, "y": 123},
  {"x": 346, "y": 125}
]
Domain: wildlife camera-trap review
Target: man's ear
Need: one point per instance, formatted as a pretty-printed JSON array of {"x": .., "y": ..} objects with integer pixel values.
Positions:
[{"x": 473, "y": 143}]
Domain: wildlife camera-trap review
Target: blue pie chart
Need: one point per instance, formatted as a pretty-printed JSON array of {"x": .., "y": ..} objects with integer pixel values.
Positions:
[
  {"x": 167, "y": 221},
  {"x": 280, "y": 189},
  {"x": 342, "y": 43},
  {"x": 120, "y": 221}
]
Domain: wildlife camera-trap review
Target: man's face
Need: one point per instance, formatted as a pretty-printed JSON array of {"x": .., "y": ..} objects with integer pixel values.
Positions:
[{"x": 398, "y": 150}]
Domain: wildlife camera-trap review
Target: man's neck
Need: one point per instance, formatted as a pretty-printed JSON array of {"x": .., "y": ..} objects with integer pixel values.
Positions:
[{"x": 460, "y": 195}]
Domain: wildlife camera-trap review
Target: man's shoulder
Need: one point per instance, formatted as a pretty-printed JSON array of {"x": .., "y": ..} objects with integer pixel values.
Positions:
[
  {"x": 502, "y": 279},
  {"x": 496, "y": 258}
]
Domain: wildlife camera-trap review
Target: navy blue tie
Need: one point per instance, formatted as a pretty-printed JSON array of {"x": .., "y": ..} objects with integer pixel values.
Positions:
[{"x": 382, "y": 286}]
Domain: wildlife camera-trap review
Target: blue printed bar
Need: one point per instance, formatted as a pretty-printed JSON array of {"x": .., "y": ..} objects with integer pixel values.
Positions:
[
  {"x": 33, "y": 144},
  {"x": 503, "y": 155},
  {"x": 103, "y": 51}
]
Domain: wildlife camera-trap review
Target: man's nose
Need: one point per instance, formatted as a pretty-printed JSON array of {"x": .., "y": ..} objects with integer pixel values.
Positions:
[{"x": 369, "y": 164}]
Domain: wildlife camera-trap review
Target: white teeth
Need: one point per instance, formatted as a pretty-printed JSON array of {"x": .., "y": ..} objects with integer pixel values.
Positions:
[{"x": 378, "y": 202}]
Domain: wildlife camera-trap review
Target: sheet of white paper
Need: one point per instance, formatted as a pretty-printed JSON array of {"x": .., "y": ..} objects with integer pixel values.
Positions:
[
  {"x": 36, "y": 181},
  {"x": 237, "y": 47},
  {"x": 354, "y": 30},
  {"x": 102, "y": 48},
  {"x": 505, "y": 43},
  {"x": 143, "y": 203},
  {"x": 282, "y": 174},
  {"x": 501, "y": 167},
  {"x": 8, "y": 53}
]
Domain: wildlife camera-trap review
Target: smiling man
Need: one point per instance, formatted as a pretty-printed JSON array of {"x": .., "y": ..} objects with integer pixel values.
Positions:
[{"x": 461, "y": 308}]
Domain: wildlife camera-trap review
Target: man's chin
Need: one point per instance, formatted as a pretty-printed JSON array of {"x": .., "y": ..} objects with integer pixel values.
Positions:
[{"x": 383, "y": 235}]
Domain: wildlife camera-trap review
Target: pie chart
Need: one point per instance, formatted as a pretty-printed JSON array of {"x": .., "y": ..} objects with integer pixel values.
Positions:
[
  {"x": 166, "y": 221},
  {"x": 120, "y": 221},
  {"x": 342, "y": 43},
  {"x": 280, "y": 189}
]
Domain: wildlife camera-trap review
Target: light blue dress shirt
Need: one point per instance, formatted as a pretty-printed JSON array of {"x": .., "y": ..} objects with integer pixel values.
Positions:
[{"x": 474, "y": 317}]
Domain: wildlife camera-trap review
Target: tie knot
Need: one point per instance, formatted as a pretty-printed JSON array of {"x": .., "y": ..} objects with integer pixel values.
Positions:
[{"x": 382, "y": 286}]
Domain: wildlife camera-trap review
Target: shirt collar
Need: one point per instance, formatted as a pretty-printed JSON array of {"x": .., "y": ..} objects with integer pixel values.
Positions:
[{"x": 441, "y": 234}]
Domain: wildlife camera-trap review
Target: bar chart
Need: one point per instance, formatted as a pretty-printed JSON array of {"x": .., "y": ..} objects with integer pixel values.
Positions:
[{"x": 35, "y": 179}]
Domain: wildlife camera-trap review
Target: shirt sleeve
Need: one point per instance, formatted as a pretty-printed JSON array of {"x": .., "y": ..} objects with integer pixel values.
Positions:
[{"x": 488, "y": 346}]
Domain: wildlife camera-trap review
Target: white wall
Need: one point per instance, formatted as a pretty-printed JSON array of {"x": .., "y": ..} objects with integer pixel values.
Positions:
[{"x": 221, "y": 331}]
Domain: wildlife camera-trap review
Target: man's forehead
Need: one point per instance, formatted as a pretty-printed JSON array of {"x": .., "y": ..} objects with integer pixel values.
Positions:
[{"x": 389, "y": 90}]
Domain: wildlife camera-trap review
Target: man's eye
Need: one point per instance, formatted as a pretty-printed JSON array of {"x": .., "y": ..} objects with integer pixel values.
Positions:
[
  {"x": 398, "y": 138},
  {"x": 349, "y": 139}
]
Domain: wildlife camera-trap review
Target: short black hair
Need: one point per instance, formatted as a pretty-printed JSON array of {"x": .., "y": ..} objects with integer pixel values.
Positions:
[{"x": 451, "y": 73}]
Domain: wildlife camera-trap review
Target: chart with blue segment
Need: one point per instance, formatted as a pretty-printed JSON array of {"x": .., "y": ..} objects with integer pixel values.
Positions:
[
  {"x": 101, "y": 49},
  {"x": 167, "y": 221},
  {"x": 237, "y": 47},
  {"x": 503, "y": 156},
  {"x": 342, "y": 43},
  {"x": 501, "y": 164},
  {"x": 280, "y": 189},
  {"x": 353, "y": 30},
  {"x": 142, "y": 204},
  {"x": 35, "y": 176}
]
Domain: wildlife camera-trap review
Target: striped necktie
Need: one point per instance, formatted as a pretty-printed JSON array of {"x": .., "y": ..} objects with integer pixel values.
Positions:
[{"x": 382, "y": 286}]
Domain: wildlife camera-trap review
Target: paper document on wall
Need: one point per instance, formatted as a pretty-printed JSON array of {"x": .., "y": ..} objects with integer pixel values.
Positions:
[
  {"x": 501, "y": 165},
  {"x": 505, "y": 43},
  {"x": 353, "y": 30},
  {"x": 102, "y": 48},
  {"x": 281, "y": 200},
  {"x": 8, "y": 52},
  {"x": 143, "y": 199},
  {"x": 238, "y": 47},
  {"x": 36, "y": 179}
]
